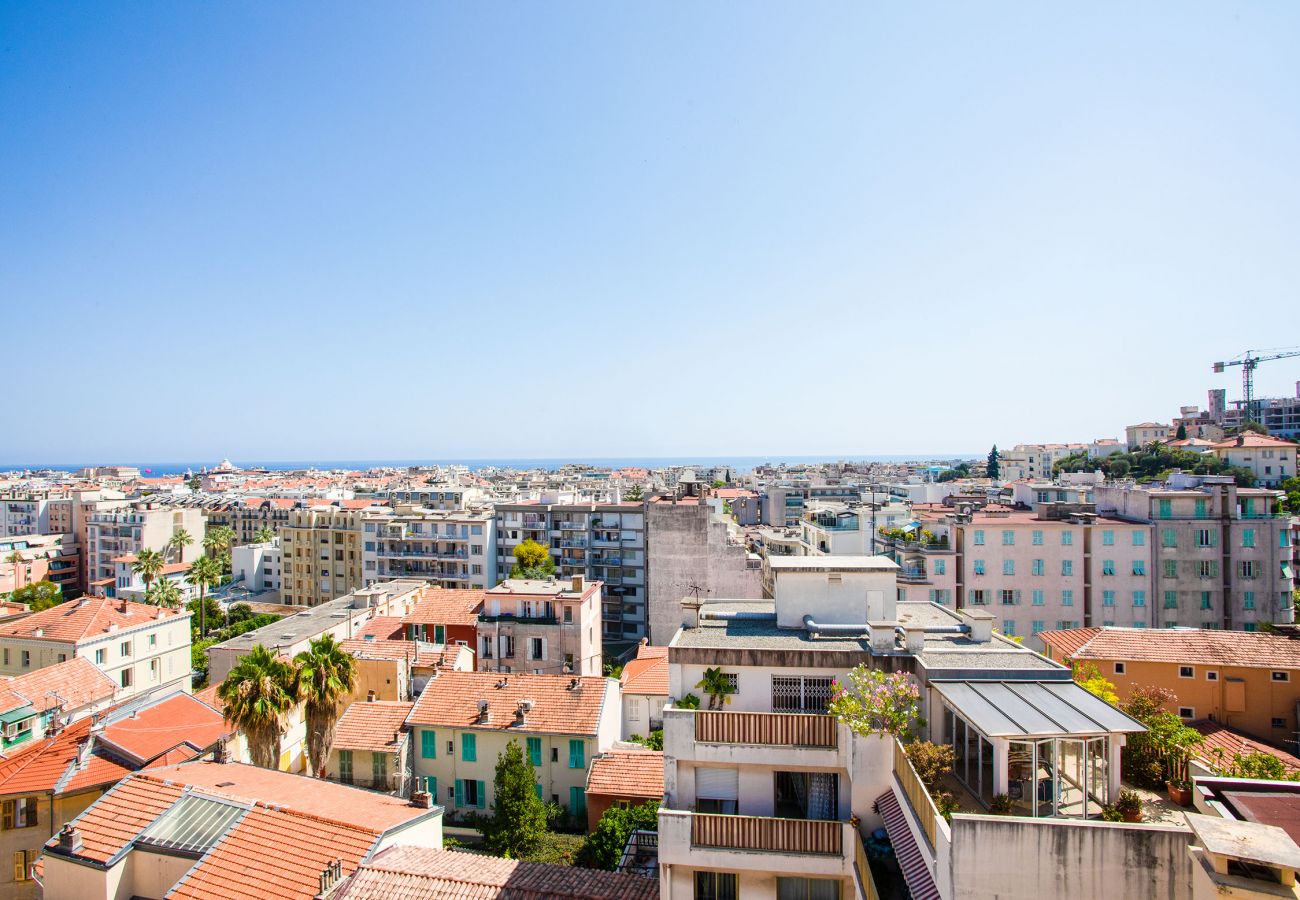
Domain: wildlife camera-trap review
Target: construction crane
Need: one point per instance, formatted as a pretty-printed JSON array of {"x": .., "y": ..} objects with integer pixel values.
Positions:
[{"x": 1249, "y": 360}]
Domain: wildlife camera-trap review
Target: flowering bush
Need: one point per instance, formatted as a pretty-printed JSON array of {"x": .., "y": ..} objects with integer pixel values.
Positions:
[{"x": 875, "y": 702}]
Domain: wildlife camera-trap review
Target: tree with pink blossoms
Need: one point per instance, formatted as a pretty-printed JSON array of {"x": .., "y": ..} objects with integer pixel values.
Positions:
[{"x": 876, "y": 702}]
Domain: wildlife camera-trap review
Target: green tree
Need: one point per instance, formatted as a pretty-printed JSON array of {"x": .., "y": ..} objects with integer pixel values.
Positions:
[
  {"x": 16, "y": 560},
  {"x": 1181, "y": 433},
  {"x": 635, "y": 493},
  {"x": 1094, "y": 683},
  {"x": 532, "y": 560},
  {"x": 994, "y": 470},
  {"x": 1291, "y": 488},
  {"x": 204, "y": 573},
  {"x": 165, "y": 593},
  {"x": 38, "y": 595},
  {"x": 257, "y": 696},
  {"x": 148, "y": 564},
  {"x": 518, "y": 819},
  {"x": 195, "y": 483},
  {"x": 264, "y": 535},
  {"x": 718, "y": 483},
  {"x": 718, "y": 686},
  {"x": 876, "y": 702},
  {"x": 326, "y": 675},
  {"x": 217, "y": 540},
  {"x": 603, "y": 848},
  {"x": 179, "y": 540}
]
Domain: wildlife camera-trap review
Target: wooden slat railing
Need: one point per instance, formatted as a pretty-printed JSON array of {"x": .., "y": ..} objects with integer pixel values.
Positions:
[
  {"x": 777, "y": 729},
  {"x": 919, "y": 798},
  {"x": 814, "y": 836},
  {"x": 863, "y": 867}
]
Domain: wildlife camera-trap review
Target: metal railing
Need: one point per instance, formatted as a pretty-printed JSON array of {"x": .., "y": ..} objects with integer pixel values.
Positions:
[
  {"x": 775, "y": 729},
  {"x": 804, "y": 836}
]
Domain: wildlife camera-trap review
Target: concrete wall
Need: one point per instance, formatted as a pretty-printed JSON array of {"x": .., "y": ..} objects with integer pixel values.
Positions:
[
  {"x": 685, "y": 547},
  {"x": 1010, "y": 858}
]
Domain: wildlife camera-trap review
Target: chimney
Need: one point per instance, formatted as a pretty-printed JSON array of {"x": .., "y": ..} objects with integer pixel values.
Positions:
[
  {"x": 370, "y": 696},
  {"x": 915, "y": 638},
  {"x": 70, "y": 839},
  {"x": 331, "y": 875},
  {"x": 690, "y": 612},
  {"x": 223, "y": 754},
  {"x": 882, "y": 636},
  {"x": 577, "y": 584},
  {"x": 122, "y": 606},
  {"x": 422, "y": 799}
]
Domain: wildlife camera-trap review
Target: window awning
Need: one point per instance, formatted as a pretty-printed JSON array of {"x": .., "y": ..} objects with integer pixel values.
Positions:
[
  {"x": 17, "y": 715},
  {"x": 916, "y": 871},
  {"x": 1017, "y": 709}
]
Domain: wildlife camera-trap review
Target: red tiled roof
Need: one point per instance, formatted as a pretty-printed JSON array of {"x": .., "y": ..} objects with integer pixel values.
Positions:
[
  {"x": 117, "y": 818},
  {"x": 451, "y": 700},
  {"x": 1253, "y": 649},
  {"x": 374, "y": 725},
  {"x": 77, "y": 683},
  {"x": 627, "y": 773},
  {"x": 420, "y": 872},
  {"x": 445, "y": 606},
  {"x": 1230, "y": 741},
  {"x": 383, "y": 627},
  {"x": 84, "y": 619},
  {"x": 648, "y": 673},
  {"x": 1251, "y": 439},
  {"x": 1065, "y": 643},
  {"x": 421, "y": 655},
  {"x": 155, "y": 730}
]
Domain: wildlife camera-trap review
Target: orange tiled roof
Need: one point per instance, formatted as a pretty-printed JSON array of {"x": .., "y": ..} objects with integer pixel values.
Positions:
[
  {"x": 116, "y": 819},
  {"x": 274, "y": 853},
  {"x": 627, "y": 773},
  {"x": 157, "y": 729},
  {"x": 374, "y": 725},
  {"x": 1252, "y": 649},
  {"x": 1231, "y": 742},
  {"x": 421, "y": 655},
  {"x": 648, "y": 673},
  {"x": 77, "y": 683},
  {"x": 85, "y": 619},
  {"x": 1251, "y": 439},
  {"x": 1066, "y": 642},
  {"x": 451, "y": 700},
  {"x": 446, "y": 606},
  {"x": 421, "y": 872},
  {"x": 383, "y": 628}
]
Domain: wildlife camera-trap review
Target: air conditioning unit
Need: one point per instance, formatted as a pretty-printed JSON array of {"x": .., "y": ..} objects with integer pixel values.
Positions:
[{"x": 11, "y": 730}]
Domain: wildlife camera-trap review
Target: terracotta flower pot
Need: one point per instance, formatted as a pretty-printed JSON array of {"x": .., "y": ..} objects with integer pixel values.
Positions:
[
  {"x": 1132, "y": 815},
  {"x": 1179, "y": 794}
]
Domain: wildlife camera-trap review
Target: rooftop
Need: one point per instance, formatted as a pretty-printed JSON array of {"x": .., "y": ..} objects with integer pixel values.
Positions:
[
  {"x": 648, "y": 673},
  {"x": 630, "y": 773},
  {"x": 86, "y": 619},
  {"x": 559, "y": 589},
  {"x": 376, "y": 726},
  {"x": 316, "y": 620},
  {"x": 1250, "y": 649},
  {"x": 832, "y": 563},
  {"x": 445, "y": 606},
  {"x": 76, "y": 683},
  {"x": 561, "y": 704}
]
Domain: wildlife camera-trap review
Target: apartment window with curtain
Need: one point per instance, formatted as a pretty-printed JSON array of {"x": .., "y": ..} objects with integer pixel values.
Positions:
[
  {"x": 792, "y": 888},
  {"x": 806, "y": 795}
]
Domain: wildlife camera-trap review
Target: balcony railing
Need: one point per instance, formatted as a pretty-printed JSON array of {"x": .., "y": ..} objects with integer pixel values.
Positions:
[
  {"x": 774, "y": 729},
  {"x": 506, "y": 619},
  {"x": 803, "y": 836},
  {"x": 917, "y": 795}
]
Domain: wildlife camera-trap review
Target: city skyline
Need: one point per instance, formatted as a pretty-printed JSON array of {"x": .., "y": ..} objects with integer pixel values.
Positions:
[{"x": 434, "y": 230}]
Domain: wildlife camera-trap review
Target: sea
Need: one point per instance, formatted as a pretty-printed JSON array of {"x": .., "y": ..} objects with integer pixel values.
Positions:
[{"x": 738, "y": 463}]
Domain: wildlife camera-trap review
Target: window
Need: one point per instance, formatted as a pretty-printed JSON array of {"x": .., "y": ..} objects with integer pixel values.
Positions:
[
  {"x": 1248, "y": 600},
  {"x": 469, "y": 747},
  {"x": 23, "y": 860},
  {"x": 1108, "y": 567},
  {"x": 1206, "y": 537},
  {"x": 977, "y": 597},
  {"x": 428, "y": 745},
  {"x": 127, "y": 678},
  {"x": 1248, "y": 537},
  {"x": 1010, "y": 597},
  {"x": 789, "y": 888},
  {"x": 379, "y": 767},
  {"x": 470, "y": 793},
  {"x": 1207, "y": 600},
  {"x": 1211, "y": 676},
  {"x": 1107, "y": 598},
  {"x": 1139, "y": 539},
  {"x": 1108, "y": 538},
  {"x": 1037, "y": 625},
  {"x": 1249, "y": 568},
  {"x": 1119, "y": 668},
  {"x": 1037, "y": 539},
  {"x": 1171, "y": 568},
  {"x": 1008, "y": 567},
  {"x": 1009, "y": 627},
  {"x": 979, "y": 537},
  {"x": 578, "y": 803},
  {"x": 20, "y": 813},
  {"x": 555, "y": 754},
  {"x": 577, "y": 751},
  {"x": 26, "y": 658},
  {"x": 1168, "y": 537},
  {"x": 800, "y": 694},
  {"x": 1279, "y": 722},
  {"x": 1067, "y": 538},
  {"x": 568, "y": 615},
  {"x": 1008, "y": 539},
  {"x": 1186, "y": 712},
  {"x": 979, "y": 567},
  {"x": 536, "y": 648},
  {"x": 535, "y": 751},
  {"x": 1171, "y": 599},
  {"x": 1139, "y": 598},
  {"x": 1281, "y": 676},
  {"x": 1067, "y": 567},
  {"x": 1186, "y": 672},
  {"x": 716, "y": 886},
  {"x": 1037, "y": 598},
  {"x": 1139, "y": 567},
  {"x": 940, "y": 567},
  {"x": 1067, "y": 598},
  {"x": 1036, "y": 567}
]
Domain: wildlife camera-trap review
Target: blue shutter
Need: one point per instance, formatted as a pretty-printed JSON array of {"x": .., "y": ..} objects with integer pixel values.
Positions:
[
  {"x": 538, "y": 789},
  {"x": 431, "y": 785},
  {"x": 577, "y": 802},
  {"x": 482, "y": 795},
  {"x": 535, "y": 751},
  {"x": 469, "y": 747},
  {"x": 429, "y": 744},
  {"x": 576, "y": 760},
  {"x": 460, "y": 793}
]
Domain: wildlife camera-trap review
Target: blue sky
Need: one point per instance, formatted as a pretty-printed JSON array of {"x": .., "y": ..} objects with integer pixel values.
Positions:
[{"x": 276, "y": 231}]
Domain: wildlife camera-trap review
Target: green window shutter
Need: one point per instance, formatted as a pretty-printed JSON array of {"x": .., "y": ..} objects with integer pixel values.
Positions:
[
  {"x": 429, "y": 744},
  {"x": 469, "y": 747},
  {"x": 439, "y": 634},
  {"x": 538, "y": 789},
  {"x": 535, "y": 752},
  {"x": 482, "y": 795},
  {"x": 577, "y": 802},
  {"x": 576, "y": 760},
  {"x": 460, "y": 793}
]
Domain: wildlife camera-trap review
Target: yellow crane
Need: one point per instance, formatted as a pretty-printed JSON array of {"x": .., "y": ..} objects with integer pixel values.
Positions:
[{"x": 1248, "y": 361}]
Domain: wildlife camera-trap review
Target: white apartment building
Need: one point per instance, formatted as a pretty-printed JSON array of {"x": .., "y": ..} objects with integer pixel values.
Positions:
[
  {"x": 542, "y": 627},
  {"x": 453, "y": 548},
  {"x": 24, "y": 513},
  {"x": 257, "y": 567},
  {"x": 1033, "y": 461},
  {"x": 1271, "y": 460},
  {"x": 142, "y": 525},
  {"x": 1145, "y": 432},
  {"x": 141, "y": 647}
]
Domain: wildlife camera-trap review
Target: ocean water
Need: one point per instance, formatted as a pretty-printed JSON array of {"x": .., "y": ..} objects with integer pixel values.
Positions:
[{"x": 740, "y": 463}]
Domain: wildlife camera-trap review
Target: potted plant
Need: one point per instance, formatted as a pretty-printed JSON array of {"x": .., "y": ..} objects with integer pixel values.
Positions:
[
  {"x": 1129, "y": 805},
  {"x": 1180, "y": 791},
  {"x": 1001, "y": 805}
]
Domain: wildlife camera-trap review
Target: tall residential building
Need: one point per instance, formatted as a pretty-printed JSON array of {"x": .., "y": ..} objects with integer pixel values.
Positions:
[
  {"x": 1221, "y": 556},
  {"x": 542, "y": 627},
  {"x": 603, "y": 542},
  {"x": 450, "y": 548},
  {"x": 321, "y": 554},
  {"x": 45, "y": 557},
  {"x": 24, "y": 512},
  {"x": 126, "y": 531}
]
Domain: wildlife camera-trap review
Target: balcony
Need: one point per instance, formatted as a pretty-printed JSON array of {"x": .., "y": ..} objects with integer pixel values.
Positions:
[
  {"x": 756, "y": 738},
  {"x": 770, "y": 729},
  {"x": 913, "y": 576},
  {"x": 605, "y": 542},
  {"x": 811, "y": 847},
  {"x": 508, "y": 618},
  {"x": 572, "y": 526},
  {"x": 573, "y": 543},
  {"x": 772, "y": 835}
]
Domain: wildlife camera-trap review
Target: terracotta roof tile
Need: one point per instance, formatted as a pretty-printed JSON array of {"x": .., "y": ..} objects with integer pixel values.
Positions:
[
  {"x": 52, "y": 764},
  {"x": 421, "y": 654},
  {"x": 89, "y": 617},
  {"x": 1253, "y": 649},
  {"x": 155, "y": 730},
  {"x": 375, "y": 725},
  {"x": 407, "y": 873},
  {"x": 77, "y": 683},
  {"x": 647, "y": 674},
  {"x": 383, "y": 628},
  {"x": 1231, "y": 741},
  {"x": 451, "y": 700},
  {"x": 445, "y": 606},
  {"x": 627, "y": 773},
  {"x": 116, "y": 819}
]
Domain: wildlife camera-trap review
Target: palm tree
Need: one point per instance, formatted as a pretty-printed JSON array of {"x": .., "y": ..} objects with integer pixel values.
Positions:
[
  {"x": 148, "y": 564},
  {"x": 16, "y": 560},
  {"x": 164, "y": 592},
  {"x": 326, "y": 674},
  {"x": 717, "y": 686},
  {"x": 179, "y": 540},
  {"x": 205, "y": 572},
  {"x": 264, "y": 535},
  {"x": 218, "y": 539},
  {"x": 257, "y": 696}
]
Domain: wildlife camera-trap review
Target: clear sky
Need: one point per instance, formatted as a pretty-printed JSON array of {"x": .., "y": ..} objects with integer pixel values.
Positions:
[{"x": 391, "y": 230}]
